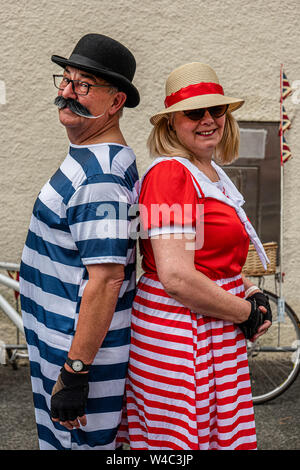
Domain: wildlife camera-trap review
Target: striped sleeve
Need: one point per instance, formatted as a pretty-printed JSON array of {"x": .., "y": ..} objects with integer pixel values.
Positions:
[{"x": 97, "y": 215}]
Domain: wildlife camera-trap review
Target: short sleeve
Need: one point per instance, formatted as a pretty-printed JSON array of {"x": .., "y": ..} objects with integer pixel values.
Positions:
[
  {"x": 98, "y": 218},
  {"x": 168, "y": 199}
]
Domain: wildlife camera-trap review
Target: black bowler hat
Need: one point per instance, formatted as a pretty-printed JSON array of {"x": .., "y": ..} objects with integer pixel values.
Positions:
[{"x": 107, "y": 58}]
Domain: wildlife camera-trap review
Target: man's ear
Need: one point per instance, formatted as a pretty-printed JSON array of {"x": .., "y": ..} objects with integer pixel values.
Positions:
[{"x": 118, "y": 102}]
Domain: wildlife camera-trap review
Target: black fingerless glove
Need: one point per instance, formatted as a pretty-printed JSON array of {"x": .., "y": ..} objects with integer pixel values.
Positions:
[
  {"x": 69, "y": 396},
  {"x": 254, "y": 321},
  {"x": 262, "y": 300}
]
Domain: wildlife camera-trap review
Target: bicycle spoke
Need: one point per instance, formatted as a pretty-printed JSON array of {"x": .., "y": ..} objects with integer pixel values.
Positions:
[{"x": 262, "y": 369}]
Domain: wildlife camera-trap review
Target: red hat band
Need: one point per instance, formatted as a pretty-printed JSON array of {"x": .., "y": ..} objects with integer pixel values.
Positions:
[{"x": 203, "y": 88}]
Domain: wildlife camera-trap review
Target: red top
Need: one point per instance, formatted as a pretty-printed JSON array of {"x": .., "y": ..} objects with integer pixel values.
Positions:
[{"x": 226, "y": 241}]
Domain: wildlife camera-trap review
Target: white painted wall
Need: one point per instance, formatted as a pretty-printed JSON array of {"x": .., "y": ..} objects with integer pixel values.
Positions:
[{"x": 245, "y": 42}]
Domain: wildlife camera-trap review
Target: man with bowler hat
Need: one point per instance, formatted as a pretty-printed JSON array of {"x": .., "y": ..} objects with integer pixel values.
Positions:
[{"x": 77, "y": 277}]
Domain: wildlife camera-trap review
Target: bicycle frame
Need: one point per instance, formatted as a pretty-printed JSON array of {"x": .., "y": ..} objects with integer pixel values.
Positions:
[
  {"x": 275, "y": 351},
  {"x": 10, "y": 312}
]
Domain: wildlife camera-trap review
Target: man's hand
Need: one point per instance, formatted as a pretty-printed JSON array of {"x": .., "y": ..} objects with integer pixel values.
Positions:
[{"x": 69, "y": 399}]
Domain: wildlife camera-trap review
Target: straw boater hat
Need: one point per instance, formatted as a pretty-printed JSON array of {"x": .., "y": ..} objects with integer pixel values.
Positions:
[{"x": 194, "y": 86}]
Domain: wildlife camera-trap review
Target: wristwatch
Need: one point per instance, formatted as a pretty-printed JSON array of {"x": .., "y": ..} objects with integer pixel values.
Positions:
[{"x": 77, "y": 365}]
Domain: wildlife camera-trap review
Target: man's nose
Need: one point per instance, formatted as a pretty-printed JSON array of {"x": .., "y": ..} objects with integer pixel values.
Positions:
[{"x": 68, "y": 91}]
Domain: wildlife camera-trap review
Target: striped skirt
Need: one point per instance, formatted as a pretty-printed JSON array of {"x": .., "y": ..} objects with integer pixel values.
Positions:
[{"x": 188, "y": 385}]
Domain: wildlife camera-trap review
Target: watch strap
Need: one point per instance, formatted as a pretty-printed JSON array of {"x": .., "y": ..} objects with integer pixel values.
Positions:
[{"x": 83, "y": 368}]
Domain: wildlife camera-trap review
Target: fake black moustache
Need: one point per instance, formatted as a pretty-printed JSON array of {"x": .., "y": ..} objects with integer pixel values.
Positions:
[{"x": 73, "y": 105}]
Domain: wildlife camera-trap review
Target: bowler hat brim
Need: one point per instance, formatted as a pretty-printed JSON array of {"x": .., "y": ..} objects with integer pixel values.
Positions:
[{"x": 121, "y": 82}]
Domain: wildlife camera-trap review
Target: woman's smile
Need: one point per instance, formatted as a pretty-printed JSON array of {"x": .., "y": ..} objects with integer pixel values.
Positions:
[{"x": 206, "y": 133}]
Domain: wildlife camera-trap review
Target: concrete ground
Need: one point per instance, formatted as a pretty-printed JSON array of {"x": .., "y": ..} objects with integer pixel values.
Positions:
[
  {"x": 17, "y": 423},
  {"x": 277, "y": 422}
]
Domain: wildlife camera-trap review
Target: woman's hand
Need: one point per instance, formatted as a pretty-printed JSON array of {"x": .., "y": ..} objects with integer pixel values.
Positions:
[
  {"x": 263, "y": 328},
  {"x": 262, "y": 301}
]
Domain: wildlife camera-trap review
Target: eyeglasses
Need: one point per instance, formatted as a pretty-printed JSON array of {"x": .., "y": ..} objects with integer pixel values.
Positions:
[
  {"x": 79, "y": 87},
  {"x": 214, "y": 111}
]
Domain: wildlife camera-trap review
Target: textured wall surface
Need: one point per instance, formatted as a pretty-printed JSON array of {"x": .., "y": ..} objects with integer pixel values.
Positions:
[{"x": 245, "y": 42}]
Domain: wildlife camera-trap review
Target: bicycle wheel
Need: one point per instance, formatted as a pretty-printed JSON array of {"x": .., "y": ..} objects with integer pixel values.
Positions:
[{"x": 274, "y": 359}]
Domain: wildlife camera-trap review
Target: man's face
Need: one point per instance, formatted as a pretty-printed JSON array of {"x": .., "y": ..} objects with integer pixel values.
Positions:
[{"x": 97, "y": 101}]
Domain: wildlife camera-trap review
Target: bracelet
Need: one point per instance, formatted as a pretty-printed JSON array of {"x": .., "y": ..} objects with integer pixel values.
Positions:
[{"x": 251, "y": 289}]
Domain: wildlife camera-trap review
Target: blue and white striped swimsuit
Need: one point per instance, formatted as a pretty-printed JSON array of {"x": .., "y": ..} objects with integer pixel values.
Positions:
[{"x": 80, "y": 217}]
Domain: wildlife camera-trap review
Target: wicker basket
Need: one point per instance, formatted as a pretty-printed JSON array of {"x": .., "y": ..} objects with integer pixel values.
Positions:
[{"x": 253, "y": 265}]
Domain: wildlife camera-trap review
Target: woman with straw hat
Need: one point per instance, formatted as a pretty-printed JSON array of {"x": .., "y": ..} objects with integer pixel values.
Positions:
[{"x": 188, "y": 384}]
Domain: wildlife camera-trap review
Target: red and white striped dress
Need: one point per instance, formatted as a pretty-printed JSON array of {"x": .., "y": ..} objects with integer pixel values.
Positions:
[{"x": 188, "y": 384}]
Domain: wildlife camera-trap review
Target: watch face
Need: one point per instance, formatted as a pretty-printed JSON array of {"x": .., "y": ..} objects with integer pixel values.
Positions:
[{"x": 77, "y": 366}]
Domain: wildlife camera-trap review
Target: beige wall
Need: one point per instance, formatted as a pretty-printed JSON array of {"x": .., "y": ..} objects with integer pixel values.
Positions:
[{"x": 244, "y": 41}]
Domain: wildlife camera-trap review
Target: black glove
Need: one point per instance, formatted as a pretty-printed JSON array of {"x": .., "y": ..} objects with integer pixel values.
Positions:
[
  {"x": 69, "y": 396},
  {"x": 262, "y": 300},
  {"x": 254, "y": 321}
]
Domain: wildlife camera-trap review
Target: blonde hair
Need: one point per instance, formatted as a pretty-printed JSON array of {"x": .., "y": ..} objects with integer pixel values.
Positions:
[{"x": 163, "y": 141}]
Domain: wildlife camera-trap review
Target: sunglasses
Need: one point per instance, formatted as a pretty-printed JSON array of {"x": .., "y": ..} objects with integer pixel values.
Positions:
[{"x": 214, "y": 111}]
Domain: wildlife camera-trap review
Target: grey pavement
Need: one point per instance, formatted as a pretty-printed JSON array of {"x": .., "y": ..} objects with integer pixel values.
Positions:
[
  {"x": 17, "y": 423},
  {"x": 277, "y": 421}
]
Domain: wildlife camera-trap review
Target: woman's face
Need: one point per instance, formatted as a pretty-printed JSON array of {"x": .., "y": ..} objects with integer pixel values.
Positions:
[{"x": 199, "y": 137}]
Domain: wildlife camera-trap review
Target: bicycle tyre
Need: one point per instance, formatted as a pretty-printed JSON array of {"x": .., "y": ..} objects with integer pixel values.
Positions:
[{"x": 274, "y": 359}]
